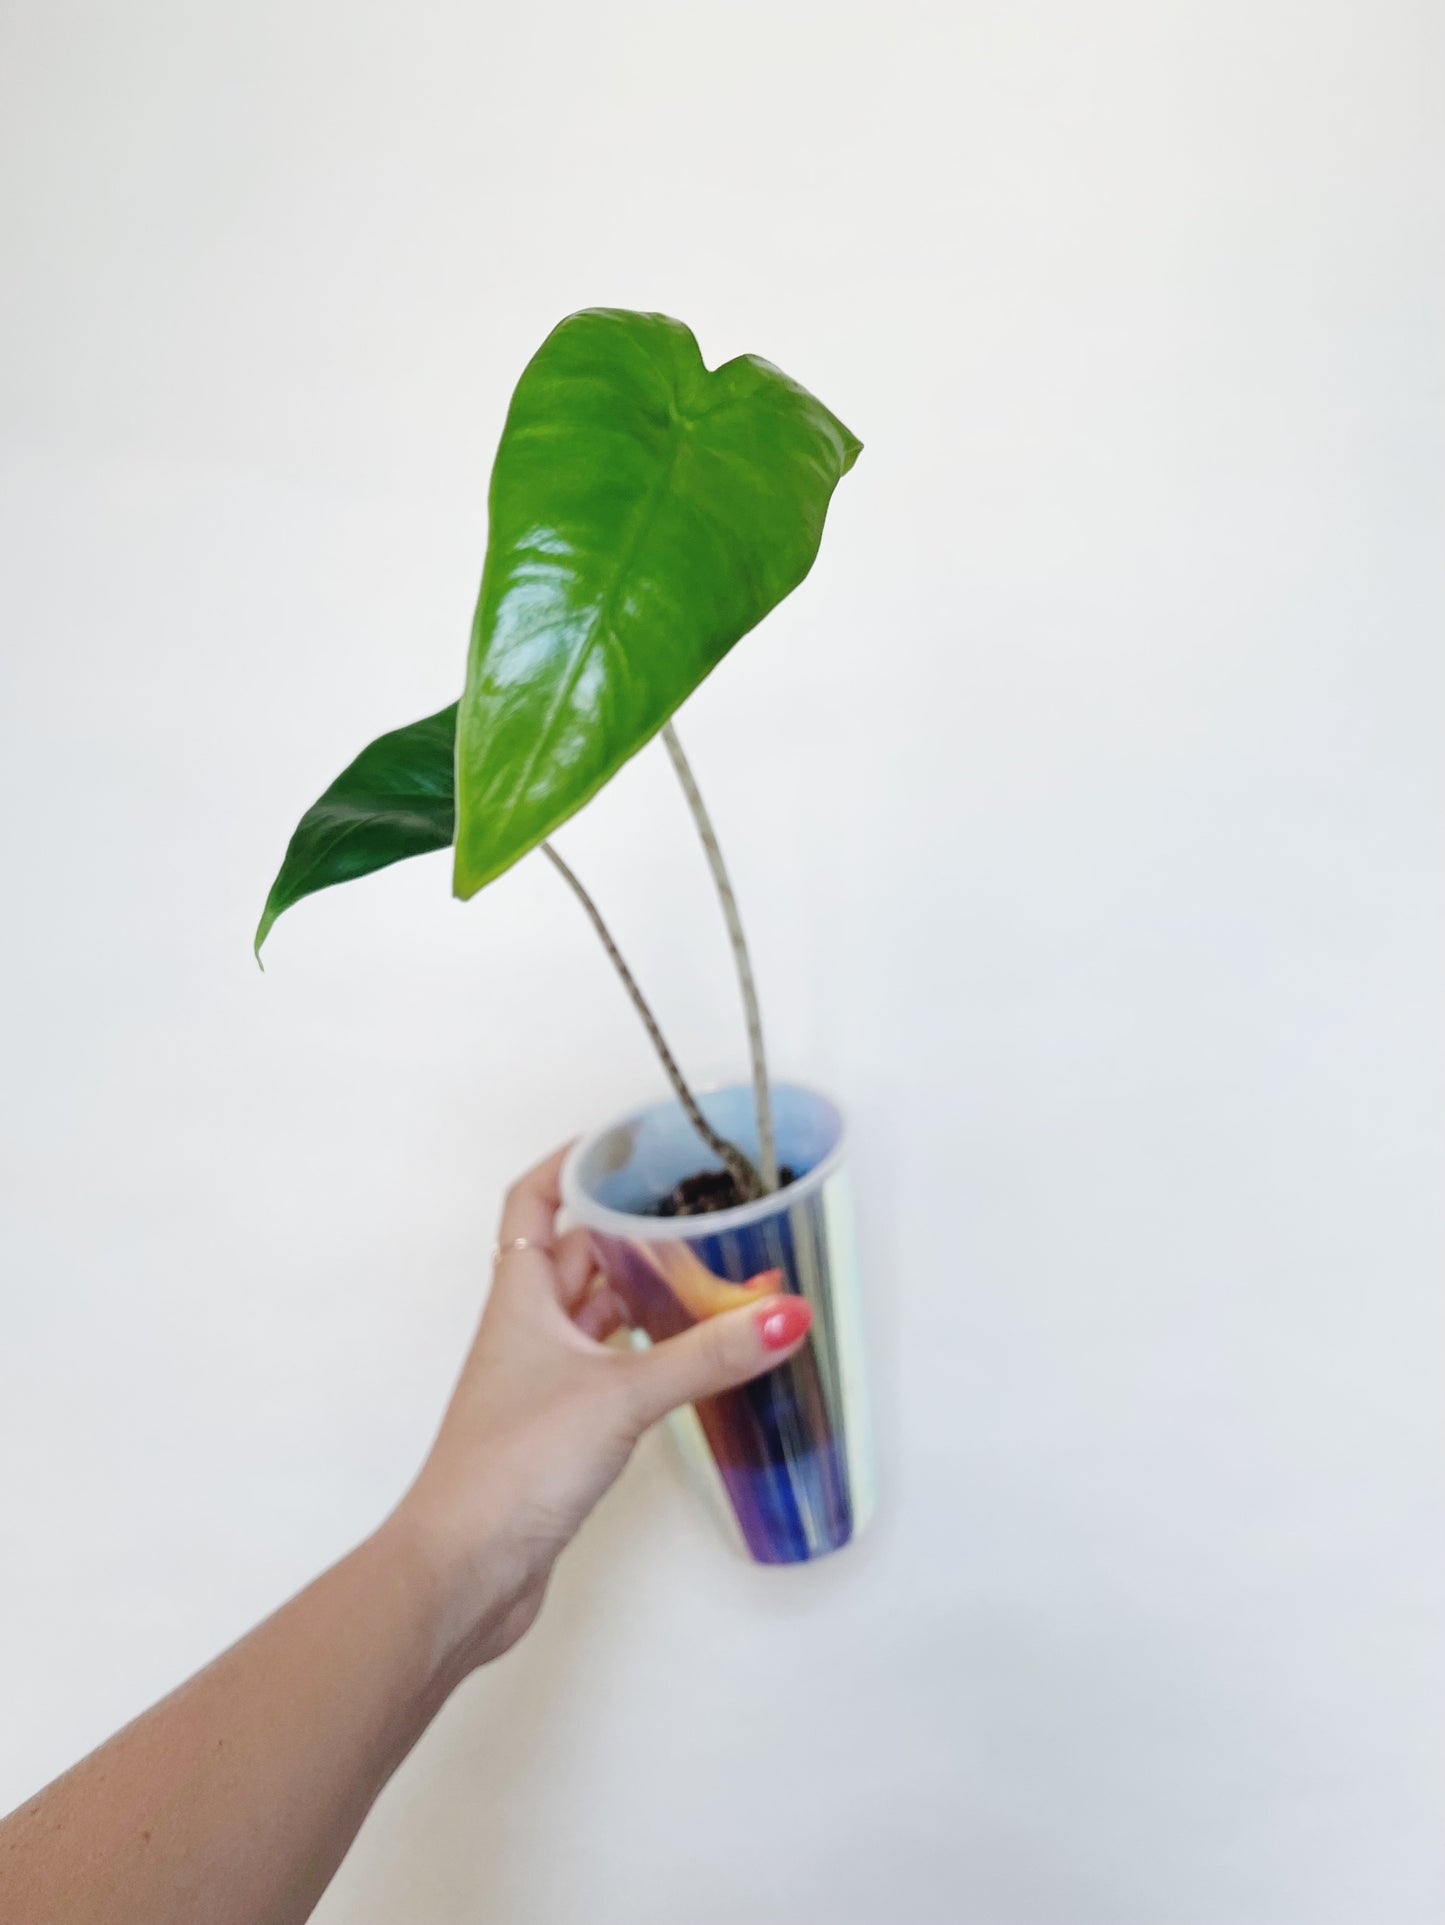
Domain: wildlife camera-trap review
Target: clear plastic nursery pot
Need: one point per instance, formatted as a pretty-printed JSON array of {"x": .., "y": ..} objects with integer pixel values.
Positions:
[{"x": 790, "y": 1455}]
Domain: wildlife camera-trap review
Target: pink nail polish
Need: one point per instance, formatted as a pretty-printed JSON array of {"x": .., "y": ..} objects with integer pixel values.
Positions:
[{"x": 782, "y": 1322}]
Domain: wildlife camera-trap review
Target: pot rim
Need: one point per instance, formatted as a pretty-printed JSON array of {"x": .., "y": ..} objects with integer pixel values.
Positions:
[{"x": 584, "y": 1209}]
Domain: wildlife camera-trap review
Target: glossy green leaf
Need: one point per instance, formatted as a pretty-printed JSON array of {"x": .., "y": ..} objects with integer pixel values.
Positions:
[
  {"x": 645, "y": 514},
  {"x": 394, "y": 800}
]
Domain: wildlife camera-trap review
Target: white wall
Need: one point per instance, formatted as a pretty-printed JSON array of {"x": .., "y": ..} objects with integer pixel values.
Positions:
[{"x": 1086, "y": 808}]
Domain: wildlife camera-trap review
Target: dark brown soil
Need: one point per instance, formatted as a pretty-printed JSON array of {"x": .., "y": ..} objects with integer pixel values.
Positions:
[{"x": 709, "y": 1190}]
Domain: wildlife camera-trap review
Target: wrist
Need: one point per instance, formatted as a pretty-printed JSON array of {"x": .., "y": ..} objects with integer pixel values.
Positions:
[{"x": 464, "y": 1586}]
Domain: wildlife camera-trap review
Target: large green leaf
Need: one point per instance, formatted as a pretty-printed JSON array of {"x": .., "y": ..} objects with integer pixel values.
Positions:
[
  {"x": 394, "y": 800},
  {"x": 645, "y": 514}
]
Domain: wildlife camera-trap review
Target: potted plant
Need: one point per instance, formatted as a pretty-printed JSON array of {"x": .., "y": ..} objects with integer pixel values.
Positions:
[{"x": 645, "y": 513}]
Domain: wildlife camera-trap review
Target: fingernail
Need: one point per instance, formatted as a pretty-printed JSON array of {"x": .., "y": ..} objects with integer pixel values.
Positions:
[{"x": 780, "y": 1324}]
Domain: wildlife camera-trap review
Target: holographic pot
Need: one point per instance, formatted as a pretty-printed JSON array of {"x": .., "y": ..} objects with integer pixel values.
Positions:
[{"x": 789, "y": 1456}]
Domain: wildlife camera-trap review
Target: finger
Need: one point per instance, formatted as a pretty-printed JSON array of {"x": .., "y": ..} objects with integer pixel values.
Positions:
[
  {"x": 532, "y": 1204},
  {"x": 716, "y": 1355},
  {"x": 575, "y": 1265},
  {"x": 601, "y": 1315}
]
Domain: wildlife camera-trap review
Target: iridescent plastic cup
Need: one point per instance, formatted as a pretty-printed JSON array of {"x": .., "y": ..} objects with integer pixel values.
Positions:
[{"x": 789, "y": 1455}]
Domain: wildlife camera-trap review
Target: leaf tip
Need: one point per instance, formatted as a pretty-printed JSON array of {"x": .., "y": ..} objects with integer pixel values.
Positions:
[{"x": 263, "y": 930}]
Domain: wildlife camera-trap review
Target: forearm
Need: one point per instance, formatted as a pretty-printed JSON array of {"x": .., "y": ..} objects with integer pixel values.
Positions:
[{"x": 234, "y": 1800}]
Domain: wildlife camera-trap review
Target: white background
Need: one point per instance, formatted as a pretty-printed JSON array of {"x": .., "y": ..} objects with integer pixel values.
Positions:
[{"x": 1085, "y": 806}]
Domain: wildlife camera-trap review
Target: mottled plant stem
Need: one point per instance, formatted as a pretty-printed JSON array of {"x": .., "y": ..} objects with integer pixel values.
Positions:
[
  {"x": 762, "y": 1100},
  {"x": 743, "y": 1172}
]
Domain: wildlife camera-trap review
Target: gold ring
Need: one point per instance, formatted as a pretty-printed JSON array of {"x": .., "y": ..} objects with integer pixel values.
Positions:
[{"x": 500, "y": 1250}]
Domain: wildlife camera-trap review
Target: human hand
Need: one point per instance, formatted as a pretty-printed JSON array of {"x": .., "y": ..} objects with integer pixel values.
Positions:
[
  {"x": 236, "y": 1797},
  {"x": 545, "y": 1415}
]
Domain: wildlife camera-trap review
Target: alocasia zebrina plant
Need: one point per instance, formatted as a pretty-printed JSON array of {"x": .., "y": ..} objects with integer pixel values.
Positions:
[{"x": 645, "y": 513}]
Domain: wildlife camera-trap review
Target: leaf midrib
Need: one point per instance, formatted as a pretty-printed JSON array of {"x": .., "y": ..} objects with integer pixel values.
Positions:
[{"x": 602, "y": 621}]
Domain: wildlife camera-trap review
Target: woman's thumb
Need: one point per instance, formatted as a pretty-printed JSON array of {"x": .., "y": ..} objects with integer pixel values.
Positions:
[{"x": 717, "y": 1354}]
